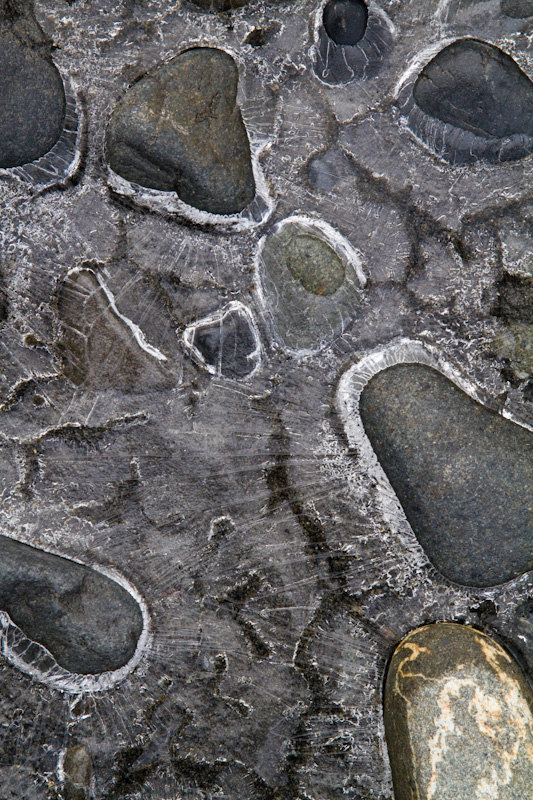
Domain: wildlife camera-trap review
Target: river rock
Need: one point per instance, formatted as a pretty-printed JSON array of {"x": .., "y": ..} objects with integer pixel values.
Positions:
[
  {"x": 345, "y": 20},
  {"x": 88, "y": 622},
  {"x": 310, "y": 284},
  {"x": 458, "y": 718},
  {"x": 178, "y": 129},
  {"x": 32, "y": 98},
  {"x": 226, "y": 343},
  {"x": 481, "y": 98},
  {"x": 462, "y": 473}
]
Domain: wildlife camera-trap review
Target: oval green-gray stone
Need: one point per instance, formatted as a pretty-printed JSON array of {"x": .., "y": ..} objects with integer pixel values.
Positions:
[
  {"x": 458, "y": 718},
  {"x": 315, "y": 265}
]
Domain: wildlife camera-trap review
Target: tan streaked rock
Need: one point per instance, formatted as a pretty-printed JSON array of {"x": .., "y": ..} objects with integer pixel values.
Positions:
[{"x": 458, "y": 718}]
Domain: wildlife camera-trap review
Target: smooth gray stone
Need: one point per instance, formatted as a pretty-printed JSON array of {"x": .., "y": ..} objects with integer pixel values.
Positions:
[
  {"x": 462, "y": 473},
  {"x": 32, "y": 97},
  {"x": 479, "y": 89},
  {"x": 228, "y": 346},
  {"x": 345, "y": 20},
  {"x": 179, "y": 129},
  {"x": 87, "y": 621},
  {"x": 77, "y": 769},
  {"x": 458, "y": 718}
]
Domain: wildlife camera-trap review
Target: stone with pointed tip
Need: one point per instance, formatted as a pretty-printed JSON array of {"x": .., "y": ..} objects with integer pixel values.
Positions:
[
  {"x": 462, "y": 473},
  {"x": 458, "y": 717},
  {"x": 179, "y": 129}
]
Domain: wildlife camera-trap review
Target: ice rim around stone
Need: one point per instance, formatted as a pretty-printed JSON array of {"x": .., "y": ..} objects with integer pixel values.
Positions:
[
  {"x": 351, "y": 386},
  {"x": 371, "y": 43},
  {"x": 63, "y": 161},
  {"x": 434, "y": 135},
  {"x": 342, "y": 248},
  {"x": 253, "y": 215},
  {"x": 14, "y": 645},
  {"x": 217, "y": 318}
]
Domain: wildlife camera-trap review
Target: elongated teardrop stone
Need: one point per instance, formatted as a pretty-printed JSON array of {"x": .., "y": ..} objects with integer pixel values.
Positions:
[
  {"x": 458, "y": 718},
  {"x": 88, "y": 622},
  {"x": 179, "y": 129},
  {"x": 462, "y": 473}
]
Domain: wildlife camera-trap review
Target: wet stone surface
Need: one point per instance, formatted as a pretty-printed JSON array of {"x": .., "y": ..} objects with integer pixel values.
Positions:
[
  {"x": 458, "y": 717},
  {"x": 32, "y": 98},
  {"x": 463, "y": 474},
  {"x": 484, "y": 97},
  {"x": 87, "y": 621},
  {"x": 345, "y": 20},
  {"x": 179, "y": 129}
]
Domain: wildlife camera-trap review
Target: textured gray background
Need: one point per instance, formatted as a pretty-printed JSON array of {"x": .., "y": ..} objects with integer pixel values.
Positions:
[{"x": 271, "y": 628}]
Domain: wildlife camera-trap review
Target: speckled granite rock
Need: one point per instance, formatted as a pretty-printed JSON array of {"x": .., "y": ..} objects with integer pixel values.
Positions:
[
  {"x": 32, "y": 98},
  {"x": 88, "y": 622},
  {"x": 179, "y": 129},
  {"x": 463, "y": 474},
  {"x": 484, "y": 98},
  {"x": 458, "y": 718}
]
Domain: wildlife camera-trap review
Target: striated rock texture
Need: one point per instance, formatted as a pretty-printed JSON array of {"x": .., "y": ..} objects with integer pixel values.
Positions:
[
  {"x": 458, "y": 718},
  {"x": 179, "y": 130},
  {"x": 32, "y": 98},
  {"x": 463, "y": 473},
  {"x": 87, "y": 621}
]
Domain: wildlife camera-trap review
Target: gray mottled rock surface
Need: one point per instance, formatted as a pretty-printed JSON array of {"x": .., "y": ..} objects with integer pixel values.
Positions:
[
  {"x": 179, "y": 129},
  {"x": 32, "y": 99},
  {"x": 87, "y": 621},
  {"x": 463, "y": 474},
  {"x": 517, "y": 8},
  {"x": 458, "y": 717}
]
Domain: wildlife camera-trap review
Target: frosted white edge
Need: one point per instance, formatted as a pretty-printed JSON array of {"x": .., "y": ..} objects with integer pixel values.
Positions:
[
  {"x": 351, "y": 385},
  {"x": 340, "y": 245},
  {"x": 218, "y": 317},
  {"x": 56, "y": 677}
]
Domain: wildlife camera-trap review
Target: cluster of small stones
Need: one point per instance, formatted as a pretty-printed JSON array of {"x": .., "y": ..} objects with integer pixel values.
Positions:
[{"x": 457, "y": 713}]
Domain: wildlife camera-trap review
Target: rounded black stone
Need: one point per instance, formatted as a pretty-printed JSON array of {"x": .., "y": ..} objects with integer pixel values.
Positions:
[
  {"x": 88, "y": 622},
  {"x": 476, "y": 87},
  {"x": 462, "y": 473},
  {"x": 32, "y": 100},
  {"x": 345, "y": 21}
]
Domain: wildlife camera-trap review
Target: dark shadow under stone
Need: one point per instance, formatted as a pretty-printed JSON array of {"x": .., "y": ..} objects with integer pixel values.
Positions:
[
  {"x": 178, "y": 129},
  {"x": 477, "y": 87},
  {"x": 32, "y": 98},
  {"x": 88, "y": 622},
  {"x": 517, "y": 8},
  {"x": 462, "y": 473},
  {"x": 345, "y": 21}
]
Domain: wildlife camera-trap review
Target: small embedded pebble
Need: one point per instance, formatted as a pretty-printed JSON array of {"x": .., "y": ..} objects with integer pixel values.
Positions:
[
  {"x": 32, "y": 97},
  {"x": 226, "y": 343},
  {"x": 462, "y": 473},
  {"x": 77, "y": 769},
  {"x": 458, "y": 718},
  {"x": 178, "y": 129},
  {"x": 88, "y": 622},
  {"x": 309, "y": 286},
  {"x": 345, "y": 20}
]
